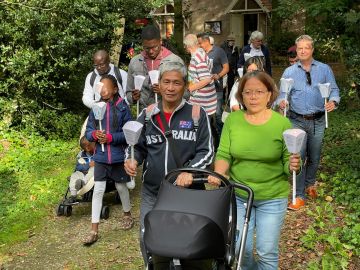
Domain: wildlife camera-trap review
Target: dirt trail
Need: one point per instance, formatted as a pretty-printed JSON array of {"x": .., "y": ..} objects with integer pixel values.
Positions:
[{"x": 57, "y": 245}]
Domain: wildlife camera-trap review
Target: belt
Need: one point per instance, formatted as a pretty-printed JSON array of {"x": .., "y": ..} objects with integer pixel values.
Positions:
[{"x": 312, "y": 116}]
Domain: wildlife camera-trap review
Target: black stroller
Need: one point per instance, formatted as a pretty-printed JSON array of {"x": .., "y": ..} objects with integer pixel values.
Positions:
[
  {"x": 188, "y": 224},
  {"x": 64, "y": 208}
]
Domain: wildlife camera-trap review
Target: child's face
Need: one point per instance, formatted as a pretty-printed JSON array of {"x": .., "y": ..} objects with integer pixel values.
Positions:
[
  {"x": 89, "y": 147},
  {"x": 108, "y": 91}
]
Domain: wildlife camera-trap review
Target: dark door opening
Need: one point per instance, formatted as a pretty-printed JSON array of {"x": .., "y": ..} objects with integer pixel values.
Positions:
[{"x": 250, "y": 25}]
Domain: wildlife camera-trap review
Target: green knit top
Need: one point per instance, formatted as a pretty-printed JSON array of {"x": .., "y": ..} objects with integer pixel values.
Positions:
[{"x": 257, "y": 154}]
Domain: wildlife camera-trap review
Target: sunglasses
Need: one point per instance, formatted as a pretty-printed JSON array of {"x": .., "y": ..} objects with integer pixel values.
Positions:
[{"x": 308, "y": 77}]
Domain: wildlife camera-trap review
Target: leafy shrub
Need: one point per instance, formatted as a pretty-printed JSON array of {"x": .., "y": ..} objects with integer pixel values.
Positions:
[{"x": 46, "y": 50}]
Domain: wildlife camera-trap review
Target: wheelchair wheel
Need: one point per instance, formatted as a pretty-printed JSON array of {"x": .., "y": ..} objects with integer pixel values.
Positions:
[
  {"x": 60, "y": 210},
  {"x": 67, "y": 210},
  {"x": 105, "y": 212}
]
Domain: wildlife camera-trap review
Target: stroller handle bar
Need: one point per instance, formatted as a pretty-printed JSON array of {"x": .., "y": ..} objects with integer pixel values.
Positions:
[{"x": 200, "y": 177}]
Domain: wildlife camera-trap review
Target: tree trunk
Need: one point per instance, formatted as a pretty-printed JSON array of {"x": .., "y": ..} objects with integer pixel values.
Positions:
[{"x": 179, "y": 23}]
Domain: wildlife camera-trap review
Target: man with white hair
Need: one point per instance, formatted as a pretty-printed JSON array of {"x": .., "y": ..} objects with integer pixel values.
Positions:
[
  {"x": 256, "y": 48},
  {"x": 201, "y": 85}
]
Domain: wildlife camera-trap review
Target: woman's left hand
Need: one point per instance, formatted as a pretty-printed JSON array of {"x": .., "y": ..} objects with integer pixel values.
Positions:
[
  {"x": 295, "y": 162},
  {"x": 184, "y": 179}
]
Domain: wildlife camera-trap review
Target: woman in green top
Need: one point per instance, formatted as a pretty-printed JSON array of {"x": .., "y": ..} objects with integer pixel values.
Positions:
[{"x": 252, "y": 152}]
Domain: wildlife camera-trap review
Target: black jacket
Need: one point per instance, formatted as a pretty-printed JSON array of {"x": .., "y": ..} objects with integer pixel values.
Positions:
[{"x": 194, "y": 148}]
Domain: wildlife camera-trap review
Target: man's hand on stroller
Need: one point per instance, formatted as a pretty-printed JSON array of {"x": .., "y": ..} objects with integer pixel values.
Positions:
[
  {"x": 130, "y": 166},
  {"x": 184, "y": 179}
]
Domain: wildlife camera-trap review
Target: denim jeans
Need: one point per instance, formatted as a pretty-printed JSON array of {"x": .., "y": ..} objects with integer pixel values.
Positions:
[
  {"x": 310, "y": 151},
  {"x": 219, "y": 111},
  {"x": 267, "y": 217},
  {"x": 147, "y": 204}
]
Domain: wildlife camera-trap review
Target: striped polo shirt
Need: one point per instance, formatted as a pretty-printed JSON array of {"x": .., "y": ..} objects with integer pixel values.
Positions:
[{"x": 199, "y": 70}]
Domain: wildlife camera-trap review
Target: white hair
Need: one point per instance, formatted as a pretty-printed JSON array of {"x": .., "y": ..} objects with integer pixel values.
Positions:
[
  {"x": 305, "y": 37},
  {"x": 190, "y": 40},
  {"x": 256, "y": 35},
  {"x": 173, "y": 66}
]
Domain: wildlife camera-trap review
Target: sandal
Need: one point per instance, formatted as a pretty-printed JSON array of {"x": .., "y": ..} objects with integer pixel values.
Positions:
[
  {"x": 127, "y": 223},
  {"x": 91, "y": 238}
]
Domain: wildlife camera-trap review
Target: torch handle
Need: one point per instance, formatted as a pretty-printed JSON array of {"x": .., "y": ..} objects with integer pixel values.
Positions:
[
  {"x": 294, "y": 189},
  {"x": 137, "y": 108},
  {"x": 286, "y": 97},
  {"x": 102, "y": 145},
  {"x": 132, "y": 158},
  {"x": 326, "y": 115}
]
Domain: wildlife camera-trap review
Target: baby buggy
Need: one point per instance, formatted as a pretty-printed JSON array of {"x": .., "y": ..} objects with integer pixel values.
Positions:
[
  {"x": 85, "y": 195},
  {"x": 188, "y": 224}
]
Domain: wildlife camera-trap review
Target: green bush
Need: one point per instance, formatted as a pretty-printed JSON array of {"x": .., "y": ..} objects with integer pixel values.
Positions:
[{"x": 46, "y": 51}]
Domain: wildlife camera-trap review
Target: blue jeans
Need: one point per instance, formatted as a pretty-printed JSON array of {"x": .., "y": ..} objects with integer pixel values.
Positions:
[
  {"x": 267, "y": 217},
  {"x": 219, "y": 111},
  {"x": 310, "y": 151},
  {"x": 147, "y": 204}
]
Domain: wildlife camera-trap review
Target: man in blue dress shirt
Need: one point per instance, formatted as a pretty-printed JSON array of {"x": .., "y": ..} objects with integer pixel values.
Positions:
[{"x": 307, "y": 112}]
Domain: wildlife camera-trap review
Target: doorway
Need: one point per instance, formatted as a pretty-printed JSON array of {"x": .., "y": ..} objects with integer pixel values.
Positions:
[{"x": 250, "y": 25}]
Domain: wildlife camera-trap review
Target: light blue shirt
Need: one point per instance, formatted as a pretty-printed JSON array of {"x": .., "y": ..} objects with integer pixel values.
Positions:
[{"x": 304, "y": 98}]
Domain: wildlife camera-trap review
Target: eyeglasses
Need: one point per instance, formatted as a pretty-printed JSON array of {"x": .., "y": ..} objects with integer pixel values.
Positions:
[
  {"x": 155, "y": 48},
  {"x": 256, "y": 93},
  {"x": 308, "y": 77},
  {"x": 101, "y": 65}
]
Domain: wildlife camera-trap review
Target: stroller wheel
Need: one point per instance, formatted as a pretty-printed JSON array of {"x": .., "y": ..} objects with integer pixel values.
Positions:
[
  {"x": 105, "y": 212},
  {"x": 60, "y": 210},
  {"x": 67, "y": 210}
]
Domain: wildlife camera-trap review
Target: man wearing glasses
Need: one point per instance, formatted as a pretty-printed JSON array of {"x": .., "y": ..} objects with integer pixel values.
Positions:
[
  {"x": 152, "y": 56},
  {"x": 307, "y": 112},
  {"x": 102, "y": 66}
]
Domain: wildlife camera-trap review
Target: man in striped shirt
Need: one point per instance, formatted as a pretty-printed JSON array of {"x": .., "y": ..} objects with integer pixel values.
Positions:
[{"x": 201, "y": 85}]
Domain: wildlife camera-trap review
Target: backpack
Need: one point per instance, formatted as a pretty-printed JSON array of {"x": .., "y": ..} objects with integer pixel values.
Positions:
[{"x": 117, "y": 75}]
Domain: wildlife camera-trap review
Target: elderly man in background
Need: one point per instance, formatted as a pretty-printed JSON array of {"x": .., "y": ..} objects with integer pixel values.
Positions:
[
  {"x": 307, "y": 112},
  {"x": 256, "y": 48},
  {"x": 152, "y": 56},
  {"x": 220, "y": 67},
  {"x": 102, "y": 66}
]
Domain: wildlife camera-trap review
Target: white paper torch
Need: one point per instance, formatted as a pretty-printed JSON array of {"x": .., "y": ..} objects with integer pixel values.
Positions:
[
  {"x": 240, "y": 72},
  {"x": 132, "y": 132},
  {"x": 154, "y": 78},
  {"x": 294, "y": 138},
  {"x": 99, "y": 110},
  {"x": 138, "y": 82},
  {"x": 285, "y": 87},
  {"x": 247, "y": 56},
  {"x": 325, "y": 93}
]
